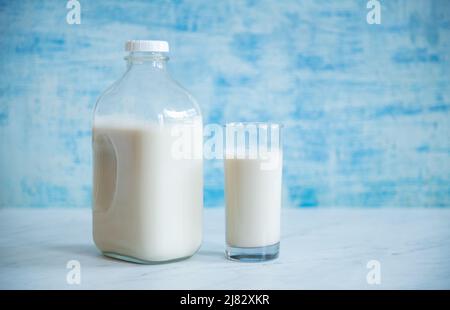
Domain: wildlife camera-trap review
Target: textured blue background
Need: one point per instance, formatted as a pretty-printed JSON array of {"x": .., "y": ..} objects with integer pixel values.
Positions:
[{"x": 366, "y": 107}]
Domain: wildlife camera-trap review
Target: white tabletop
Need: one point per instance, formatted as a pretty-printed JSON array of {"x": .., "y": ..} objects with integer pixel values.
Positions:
[{"x": 320, "y": 249}]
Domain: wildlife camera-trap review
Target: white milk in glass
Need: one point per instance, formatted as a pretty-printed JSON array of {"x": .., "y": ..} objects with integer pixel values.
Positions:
[
  {"x": 253, "y": 199},
  {"x": 147, "y": 199}
]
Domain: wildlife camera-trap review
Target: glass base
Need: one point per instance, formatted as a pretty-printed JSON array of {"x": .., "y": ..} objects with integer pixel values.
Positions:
[{"x": 256, "y": 254}]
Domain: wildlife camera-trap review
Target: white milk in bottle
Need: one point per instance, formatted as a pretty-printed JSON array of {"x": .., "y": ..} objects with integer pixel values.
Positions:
[{"x": 147, "y": 145}]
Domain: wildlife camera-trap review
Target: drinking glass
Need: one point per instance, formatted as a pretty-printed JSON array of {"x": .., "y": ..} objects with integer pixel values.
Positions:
[{"x": 253, "y": 164}]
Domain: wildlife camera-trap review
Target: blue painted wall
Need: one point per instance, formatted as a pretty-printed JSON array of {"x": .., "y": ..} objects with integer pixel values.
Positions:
[{"x": 366, "y": 107}]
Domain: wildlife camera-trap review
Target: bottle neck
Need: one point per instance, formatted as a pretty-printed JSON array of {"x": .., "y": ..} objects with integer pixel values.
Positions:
[{"x": 147, "y": 61}]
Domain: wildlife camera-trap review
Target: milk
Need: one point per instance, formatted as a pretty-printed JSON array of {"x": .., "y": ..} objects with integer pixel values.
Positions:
[
  {"x": 253, "y": 201},
  {"x": 147, "y": 203}
]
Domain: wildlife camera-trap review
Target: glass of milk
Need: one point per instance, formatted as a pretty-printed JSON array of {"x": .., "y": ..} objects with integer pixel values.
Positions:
[{"x": 253, "y": 164}]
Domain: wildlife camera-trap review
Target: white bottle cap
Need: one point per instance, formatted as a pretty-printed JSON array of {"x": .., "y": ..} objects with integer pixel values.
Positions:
[{"x": 147, "y": 46}]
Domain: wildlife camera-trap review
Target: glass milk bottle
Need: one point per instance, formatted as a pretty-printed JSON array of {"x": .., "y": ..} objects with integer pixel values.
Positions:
[{"x": 147, "y": 158}]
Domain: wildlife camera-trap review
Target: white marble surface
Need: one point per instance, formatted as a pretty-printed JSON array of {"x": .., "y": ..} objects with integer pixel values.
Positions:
[{"x": 320, "y": 249}]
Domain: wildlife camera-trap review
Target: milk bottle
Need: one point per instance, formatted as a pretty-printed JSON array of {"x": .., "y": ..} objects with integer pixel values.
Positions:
[{"x": 147, "y": 198}]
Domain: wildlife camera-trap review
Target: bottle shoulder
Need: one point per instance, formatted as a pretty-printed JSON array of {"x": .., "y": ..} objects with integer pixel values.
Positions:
[{"x": 147, "y": 96}]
